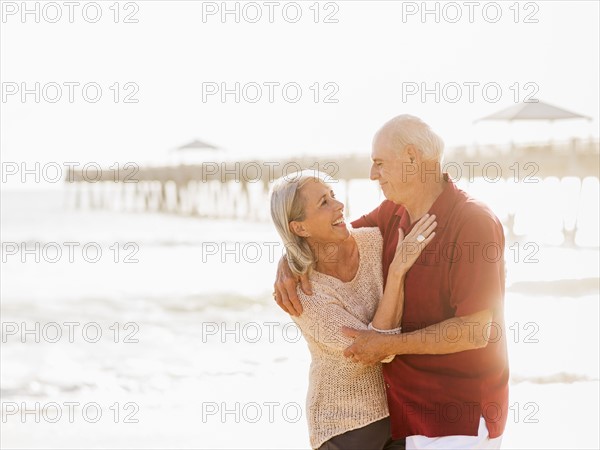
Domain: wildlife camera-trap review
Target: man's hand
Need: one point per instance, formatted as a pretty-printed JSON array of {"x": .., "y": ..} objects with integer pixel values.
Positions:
[
  {"x": 369, "y": 347},
  {"x": 285, "y": 288}
]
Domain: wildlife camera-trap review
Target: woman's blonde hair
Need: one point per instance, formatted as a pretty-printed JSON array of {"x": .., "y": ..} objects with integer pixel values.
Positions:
[{"x": 287, "y": 205}]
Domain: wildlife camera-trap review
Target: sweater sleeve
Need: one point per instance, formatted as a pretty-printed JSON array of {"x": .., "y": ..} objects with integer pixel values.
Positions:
[{"x": 323, "y": 318}]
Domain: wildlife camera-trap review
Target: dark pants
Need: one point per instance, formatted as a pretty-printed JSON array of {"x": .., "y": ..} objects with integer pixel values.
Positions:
[{"x": 375, "y": 436}]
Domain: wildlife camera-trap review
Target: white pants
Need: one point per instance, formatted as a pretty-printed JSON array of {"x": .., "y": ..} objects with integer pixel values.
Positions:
[{"x": 481, "y": 441}]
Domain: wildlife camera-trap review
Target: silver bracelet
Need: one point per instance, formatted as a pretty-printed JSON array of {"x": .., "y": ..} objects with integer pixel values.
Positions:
[{"x": 393, "y": 331}]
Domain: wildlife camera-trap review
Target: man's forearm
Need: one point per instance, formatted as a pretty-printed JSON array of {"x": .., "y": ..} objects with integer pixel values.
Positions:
[{"x": 450, "y": 336}]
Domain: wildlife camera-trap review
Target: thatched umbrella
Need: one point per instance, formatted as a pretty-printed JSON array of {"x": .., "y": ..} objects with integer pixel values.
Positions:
[
  {"x": 195, "y": 152},
  {"x": 197, "y": 144},
  {"x": 533, "y": 111}
]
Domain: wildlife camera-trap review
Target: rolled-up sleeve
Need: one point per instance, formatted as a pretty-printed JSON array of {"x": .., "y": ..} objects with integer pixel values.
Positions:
[{"x": 368, "y": 220}]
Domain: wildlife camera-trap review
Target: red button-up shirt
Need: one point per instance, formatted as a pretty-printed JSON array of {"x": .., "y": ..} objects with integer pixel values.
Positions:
[{"x": 459, "y": 273}]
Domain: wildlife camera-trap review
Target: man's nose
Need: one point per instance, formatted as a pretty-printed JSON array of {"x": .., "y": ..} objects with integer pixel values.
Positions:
[{"x": 374, "y": 172}]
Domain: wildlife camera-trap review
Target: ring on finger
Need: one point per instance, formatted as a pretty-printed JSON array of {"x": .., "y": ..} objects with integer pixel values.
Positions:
[{"x": 420, "y": 238}]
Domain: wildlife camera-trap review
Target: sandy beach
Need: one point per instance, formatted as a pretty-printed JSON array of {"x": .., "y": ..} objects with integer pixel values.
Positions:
[{"x": 203, "y": 358}]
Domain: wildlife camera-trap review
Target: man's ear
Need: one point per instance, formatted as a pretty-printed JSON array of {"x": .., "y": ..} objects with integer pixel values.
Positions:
[
  {"x": 298, "y": 228},
  {"x": 412, "y": 153}
]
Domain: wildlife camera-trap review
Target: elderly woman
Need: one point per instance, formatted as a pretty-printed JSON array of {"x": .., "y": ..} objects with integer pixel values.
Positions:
[{"x": 346, "y": 402}]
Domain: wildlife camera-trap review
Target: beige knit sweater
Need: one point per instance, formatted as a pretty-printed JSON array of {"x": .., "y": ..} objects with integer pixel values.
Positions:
[{"x": 343, "y": 395}]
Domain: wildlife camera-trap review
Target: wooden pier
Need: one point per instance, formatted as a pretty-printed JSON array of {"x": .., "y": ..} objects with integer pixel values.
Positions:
[{"x": 239, "y": 189}]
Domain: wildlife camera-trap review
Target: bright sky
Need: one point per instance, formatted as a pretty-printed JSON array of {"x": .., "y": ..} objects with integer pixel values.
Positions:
[{"x": 369, "y": 57}]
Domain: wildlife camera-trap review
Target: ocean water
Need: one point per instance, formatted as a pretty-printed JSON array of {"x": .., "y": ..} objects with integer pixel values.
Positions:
[{"x": 192, "y": 347}]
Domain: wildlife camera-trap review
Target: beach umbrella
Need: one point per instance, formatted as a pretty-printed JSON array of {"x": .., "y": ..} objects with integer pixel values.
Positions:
[
  {"x": 197, "y": 144},
  {"x": 534, "y": 111},
  {"x": 196, "y": 151}
]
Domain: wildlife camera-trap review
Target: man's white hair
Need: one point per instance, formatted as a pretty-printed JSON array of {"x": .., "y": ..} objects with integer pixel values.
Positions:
[{"x": 406, "y": 130}]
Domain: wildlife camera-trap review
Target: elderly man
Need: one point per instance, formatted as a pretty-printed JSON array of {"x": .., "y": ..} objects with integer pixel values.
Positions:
[{"x": 448, "y": 385}]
